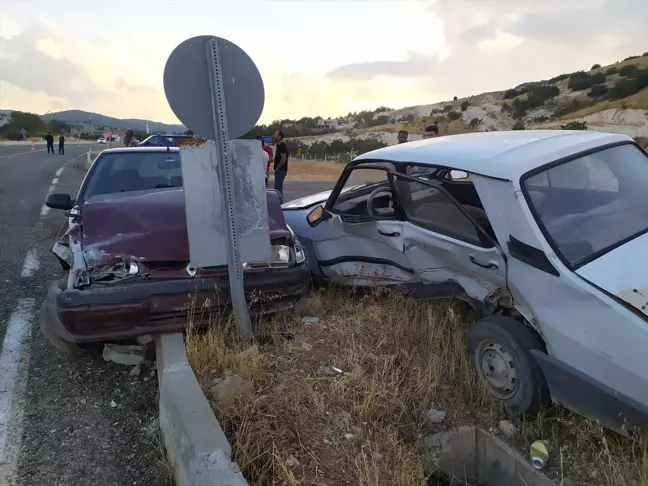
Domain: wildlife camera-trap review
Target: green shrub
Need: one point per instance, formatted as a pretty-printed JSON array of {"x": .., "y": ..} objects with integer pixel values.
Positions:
[
  {"x": 612, "y": 70},
  {"x": 645, "y": 54},
  {"x": 582, "y": 80},
  {"x": 630, "y": 58},
  {"x": 453, "y": 115},
  {"x": 475, "y": 122},
  {"x": 595, "y": 66},
  {"x": 629, "y": 71},
  {"x": 464, "y": 105},
  {"x": 627, "y": 87},
  {"x": 518, "y": 125},
  {"x": 510, "y": 93},
  {"x": 597, "y": 91},
  {"x": 540, "y": 119},
  {"x": 574, "y": 125},
  {"x": 560, "y": 77},
  {"x": 447, "y": 108}
]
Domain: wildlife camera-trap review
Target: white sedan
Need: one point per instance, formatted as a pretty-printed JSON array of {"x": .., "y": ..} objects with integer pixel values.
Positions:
[{"x": 543, "y": 232}]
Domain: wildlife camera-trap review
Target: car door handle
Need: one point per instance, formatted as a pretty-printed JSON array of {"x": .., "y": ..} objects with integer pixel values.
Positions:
[
  {"x": 393, "y": 234},
  {"x": 490, "y": 266}
]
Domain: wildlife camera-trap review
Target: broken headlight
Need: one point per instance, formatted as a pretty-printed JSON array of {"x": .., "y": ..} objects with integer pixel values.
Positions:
[
  {"x": 115, "y": 272},
  {"x": 300, "y": 256},
  {"x": 280, "y": 254}
]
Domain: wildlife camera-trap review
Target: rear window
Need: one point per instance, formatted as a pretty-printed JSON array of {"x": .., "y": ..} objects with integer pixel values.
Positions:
[
  {"x": 590, "y": 205},
  {"x": 132, "y": 171}
]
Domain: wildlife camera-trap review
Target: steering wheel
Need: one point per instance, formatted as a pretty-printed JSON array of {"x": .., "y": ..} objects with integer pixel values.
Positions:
[{"x": 380, "y": 190}]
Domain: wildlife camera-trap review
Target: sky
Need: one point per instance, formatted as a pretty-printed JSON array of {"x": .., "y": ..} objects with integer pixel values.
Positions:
[{"x": 316, "y": 58}]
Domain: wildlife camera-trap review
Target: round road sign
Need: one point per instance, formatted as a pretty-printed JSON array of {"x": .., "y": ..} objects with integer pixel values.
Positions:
[{"x": 188, "y": 88}]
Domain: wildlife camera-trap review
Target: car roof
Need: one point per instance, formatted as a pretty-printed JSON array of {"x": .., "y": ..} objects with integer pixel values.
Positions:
[
  {"x": 502, "y": 155},
  {"x": 141, "y": 149}
]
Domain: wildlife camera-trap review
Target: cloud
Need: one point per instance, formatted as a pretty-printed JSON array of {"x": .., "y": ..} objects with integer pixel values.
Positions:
[
  {"x": 41, "y": 64},
  {"x": 493, "y": 44}
]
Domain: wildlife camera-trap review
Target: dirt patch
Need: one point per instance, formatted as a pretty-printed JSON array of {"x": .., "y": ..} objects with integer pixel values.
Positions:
[
  {"x": 347, "y": 390},
  {"x": 313, "y": 170}
]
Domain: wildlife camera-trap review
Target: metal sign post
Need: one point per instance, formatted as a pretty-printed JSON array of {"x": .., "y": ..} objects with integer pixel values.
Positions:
[
  {"x": 225, "y": 198},
  {"x": 221, "y": 136}
]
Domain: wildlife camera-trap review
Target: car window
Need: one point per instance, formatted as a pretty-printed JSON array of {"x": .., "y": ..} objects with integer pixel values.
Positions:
[
  {"x": 132, "y": 171},
  {"x": 430, "y": 208},
  {"x": 356, "y": 192},
  {"x": 591, "y": 204}
]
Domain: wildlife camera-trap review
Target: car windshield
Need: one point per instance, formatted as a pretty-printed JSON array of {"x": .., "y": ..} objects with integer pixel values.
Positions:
[
  {"x": 132, "y": 171},
  {"x": 591, "y": 205}
]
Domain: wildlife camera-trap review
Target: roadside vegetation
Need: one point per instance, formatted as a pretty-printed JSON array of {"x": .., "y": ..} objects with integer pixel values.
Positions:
[{"x": 346, "y": 390}]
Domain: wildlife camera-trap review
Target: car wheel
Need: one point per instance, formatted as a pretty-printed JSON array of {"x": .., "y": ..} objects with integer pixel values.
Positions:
[
  {"x": 56, "y": 341},
  {"x": 499, "y": 347}
]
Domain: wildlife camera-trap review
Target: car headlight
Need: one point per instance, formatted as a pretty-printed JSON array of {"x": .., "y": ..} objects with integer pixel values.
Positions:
[
  {"x": 300, "y": 256},
  {"x": 280, "y": 254}
]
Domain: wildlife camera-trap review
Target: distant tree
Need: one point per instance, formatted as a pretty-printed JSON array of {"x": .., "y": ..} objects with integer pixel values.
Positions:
[
  {"x": 464, "y": 105},
  {"x": 57, "y": 126},
  {"x": 32, "y": 123},
  {"x": 447, "y": 108},
  {"x": 595, "y": 66},
  {"x": 574, "y": 125},
  {"x": 510, "y": 93},
  {"x": 597, "y": 91},
  {"x": 475, "y": 122},
  {"x": 455, "y": 98},
  {"x": 518, "y": 125},
  {"x": 611, "y": 71},
  {"x": 630, "y": 58},
  {"x": 453, "y": 115}
]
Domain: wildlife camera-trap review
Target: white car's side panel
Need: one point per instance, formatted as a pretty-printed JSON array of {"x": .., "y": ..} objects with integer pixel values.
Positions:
[
  {"x": 356, "y": 253},
  {"x": 439, "y": 259},
  {"x": 581, "y": 326}
]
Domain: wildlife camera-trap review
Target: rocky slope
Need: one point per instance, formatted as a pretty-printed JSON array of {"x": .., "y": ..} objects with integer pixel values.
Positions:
[{"x": 611, "y": 98}]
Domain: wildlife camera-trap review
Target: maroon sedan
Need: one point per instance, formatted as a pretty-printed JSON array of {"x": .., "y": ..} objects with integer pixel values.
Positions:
[{"x": 125, "y": 254}]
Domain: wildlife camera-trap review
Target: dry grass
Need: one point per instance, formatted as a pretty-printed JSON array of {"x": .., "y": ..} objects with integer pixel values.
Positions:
[
  {"x": 301, "y": 423},
  {"x": 313, "y": 170},
  {"x": 638, "y": 101}
]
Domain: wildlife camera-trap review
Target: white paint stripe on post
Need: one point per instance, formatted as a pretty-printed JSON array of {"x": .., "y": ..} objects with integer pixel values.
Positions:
[
  {"x": 31, "y": 264},
  {"x": 11, "y": 389}
]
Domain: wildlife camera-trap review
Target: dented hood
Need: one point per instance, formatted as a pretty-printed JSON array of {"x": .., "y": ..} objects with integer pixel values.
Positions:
[
  {"x": 623, "y": 272},
  {"x": 147, "y": 225}
]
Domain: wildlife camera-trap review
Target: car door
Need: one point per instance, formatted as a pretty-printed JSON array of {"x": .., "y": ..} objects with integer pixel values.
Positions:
[
  {"x": 444, "y": 243},
  {"x": 356, "y": 245}
]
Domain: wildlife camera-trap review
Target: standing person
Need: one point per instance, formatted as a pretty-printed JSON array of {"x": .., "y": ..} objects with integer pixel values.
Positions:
[
  {"x": 402, "y": 136},
  {"x": 280, "y": 163},
  {"x": 431, "y": 131},
  {"x": 130, "y": 140},
  {"x": 61, "y": 144},
  {"x": 50, "y": 142},
  {"x": 265, "y": 158}
]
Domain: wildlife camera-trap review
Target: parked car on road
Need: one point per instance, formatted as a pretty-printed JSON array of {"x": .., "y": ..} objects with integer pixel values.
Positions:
[
  {"x": 101, "y": 140},
  {"x": 125, "y": 255},
  {"x": 162, "y": 140},
  {"x": 544, "y": 233}
]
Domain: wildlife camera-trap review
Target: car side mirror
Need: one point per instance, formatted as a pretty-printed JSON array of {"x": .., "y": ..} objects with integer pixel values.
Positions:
[
  {"x": 317, "y": 215},
  {"x": 59, "y": 201}
]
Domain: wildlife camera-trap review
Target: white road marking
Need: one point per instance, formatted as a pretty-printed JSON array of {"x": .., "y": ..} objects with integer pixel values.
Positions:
[
  {"x": 44, "y": 211},
  {"x": 11, "y": 387},
  {"x": 55, "y": 181},
  {"x": 21, "y": 153},
  {"x": 60, "y": 171},
  {"x": 31, "y": 264}
]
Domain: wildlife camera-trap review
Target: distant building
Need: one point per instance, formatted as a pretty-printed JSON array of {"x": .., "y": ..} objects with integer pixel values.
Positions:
[{"x": 328, "y": 123}]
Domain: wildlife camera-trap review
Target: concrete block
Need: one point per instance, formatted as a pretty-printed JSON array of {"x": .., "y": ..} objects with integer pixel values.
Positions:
[
  {"x": 194, "y": 440},
  {"x": 473, "y": 456}
]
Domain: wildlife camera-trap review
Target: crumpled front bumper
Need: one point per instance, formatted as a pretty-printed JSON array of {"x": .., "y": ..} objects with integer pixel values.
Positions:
[{"x": 123, "y": 311}]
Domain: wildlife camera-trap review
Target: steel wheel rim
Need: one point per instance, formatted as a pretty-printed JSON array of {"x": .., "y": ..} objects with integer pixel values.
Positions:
[{"x": 497, "y": 368}]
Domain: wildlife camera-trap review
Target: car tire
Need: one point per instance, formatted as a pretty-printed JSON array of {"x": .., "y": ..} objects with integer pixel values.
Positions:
[
  {"x": 498, "y": 347},
  {"x": 56, "y": 341}
]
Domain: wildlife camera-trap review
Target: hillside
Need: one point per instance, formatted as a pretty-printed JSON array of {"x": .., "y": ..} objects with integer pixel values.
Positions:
[
  {"x": 610, "y": 98},
  {"x": 99, "y": 120},
  {"x": 103, "y": 120}
]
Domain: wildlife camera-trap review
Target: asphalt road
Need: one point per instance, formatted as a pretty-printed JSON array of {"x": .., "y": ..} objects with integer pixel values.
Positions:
[{"x": 65, "y": 420}]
